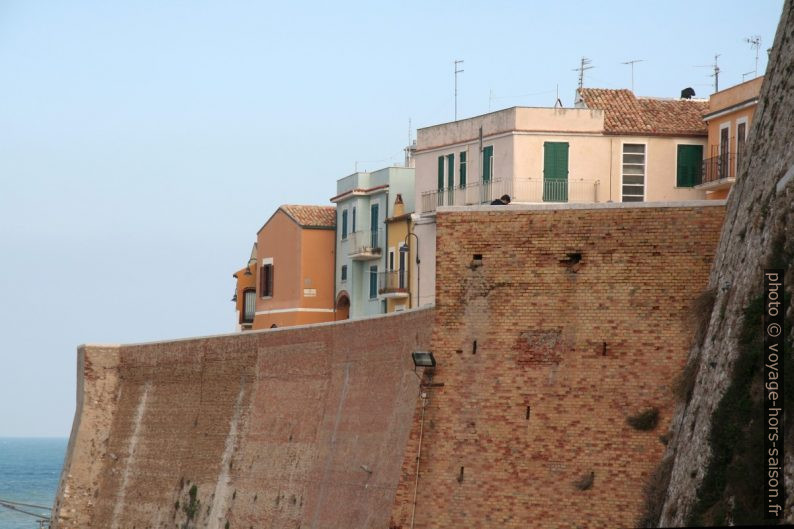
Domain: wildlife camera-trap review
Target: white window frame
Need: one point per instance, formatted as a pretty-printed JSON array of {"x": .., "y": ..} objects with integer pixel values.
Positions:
[{"x": 644, "y": 169}]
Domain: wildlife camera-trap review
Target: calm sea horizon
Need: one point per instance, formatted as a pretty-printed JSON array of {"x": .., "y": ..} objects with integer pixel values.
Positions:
[{"x": 30, "y": 468}]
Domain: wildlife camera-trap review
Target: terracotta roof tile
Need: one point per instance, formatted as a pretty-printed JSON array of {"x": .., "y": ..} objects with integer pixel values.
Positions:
[
  {"x": 312, "y": 216},
  {"x": 627, "y": 114}
]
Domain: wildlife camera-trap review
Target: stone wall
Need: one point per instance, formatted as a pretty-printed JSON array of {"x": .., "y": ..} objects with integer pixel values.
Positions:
[
  {"x": 756, "y": 234},
  {"x": 301, "y": 427},
  {"x": 554, "y": 326}
]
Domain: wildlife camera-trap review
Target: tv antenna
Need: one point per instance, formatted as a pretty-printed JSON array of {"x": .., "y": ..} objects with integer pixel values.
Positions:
[
  {"x": 715, "y": 72},
  {"x": 584, "y": 64},
  {"x": 456, "y": 86},
  {"x": 755, "y": 42},
  {"x": 631, "y": 63}
]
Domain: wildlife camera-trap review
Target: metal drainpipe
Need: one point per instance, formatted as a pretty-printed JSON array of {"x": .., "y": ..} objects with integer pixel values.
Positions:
[{"x": 418, "y": 459}]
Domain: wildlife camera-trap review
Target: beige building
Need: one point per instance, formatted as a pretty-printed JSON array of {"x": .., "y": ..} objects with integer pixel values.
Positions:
[{"x": 612, "y": 147}]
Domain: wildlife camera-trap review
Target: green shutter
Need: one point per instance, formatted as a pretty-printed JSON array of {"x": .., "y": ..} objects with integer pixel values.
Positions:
[
  {"x": 555, "y": 172},
  {"x": 690, "y": 161},
  {"x": 450, "y": 171},
  {"x": 373, "y": 282},
  {"x": 344, "y": 223},
  {"x": 440, "y": 173},
  {"x": 462, "y": 175},
  {"x": 487, "y": 157}
]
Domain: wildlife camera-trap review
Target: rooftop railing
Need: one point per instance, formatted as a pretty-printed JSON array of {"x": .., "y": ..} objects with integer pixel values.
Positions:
[{"x": 531, "y": 190}]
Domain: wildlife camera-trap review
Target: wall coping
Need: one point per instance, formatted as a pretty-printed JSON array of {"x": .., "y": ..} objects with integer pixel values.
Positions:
[
  {"x": 259, "y": 331},
  {"x": 599, "y": 205}
]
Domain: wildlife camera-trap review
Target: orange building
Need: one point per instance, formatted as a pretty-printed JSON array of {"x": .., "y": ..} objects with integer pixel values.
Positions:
[
  {"x": 728, "y": 117},
  {"x": 291, "y": 268}
]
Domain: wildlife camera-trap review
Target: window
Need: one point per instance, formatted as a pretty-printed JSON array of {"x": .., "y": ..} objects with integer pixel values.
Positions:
[
  {"x": 741, "y": 137},
  {"x": 373, "y": 282},
  {"x": 344, "y": 224},
  {"x": 249, "y": 305},
  {"x": 440, "y": 173},
  {"x": 690, "y": 162},
  {"x": 633, "y": 189},
  {"x": 266, "y": 280},
  {"x": 487, "y": 163},
  {"x": 555, "y": 171},
  {"x": 344, "y": 273},
  {"x": 462, "y": 169},
  {"x": 450, "y": 171},
  {"x": 391, "y": 259},
  {"x": 353, "y": 214}
]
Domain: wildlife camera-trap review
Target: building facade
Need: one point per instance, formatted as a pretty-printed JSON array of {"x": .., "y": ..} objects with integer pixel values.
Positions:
[
  {"x": 729, "y": 115},
  {"x": 612, "y": 147},
  {"x": 292, "y": 267},
  {"x": 365, "y": 254}
]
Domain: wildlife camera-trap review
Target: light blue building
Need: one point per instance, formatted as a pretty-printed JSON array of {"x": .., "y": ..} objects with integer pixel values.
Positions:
[{"x": 364, "y": 201}]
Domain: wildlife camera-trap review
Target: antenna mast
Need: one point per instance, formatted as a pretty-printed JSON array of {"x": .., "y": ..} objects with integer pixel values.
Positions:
[
  {"x": 584, "y": 64},
  {"x": 456, "y": 86},
  {"x": 716, "y": 74},
  {"x": 755, "y": 42},
  {"x": 631, "y": 63}
]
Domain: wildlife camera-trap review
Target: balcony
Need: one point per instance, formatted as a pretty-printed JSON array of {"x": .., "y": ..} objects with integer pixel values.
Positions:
[
  {"x": 365, "y": 245},
  {"x": 393, "y": 284},
  {"x": 719, "y": 172},
  {"x": 521, "y": 190}
]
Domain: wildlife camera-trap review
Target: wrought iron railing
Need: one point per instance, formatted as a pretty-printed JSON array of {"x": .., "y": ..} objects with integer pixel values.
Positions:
[
  {"x": 393, "y": 281},
  {"x": 365, "y": 241},
  {"x": 532, "y": 190},
  {"x": 719, "y": 167}
]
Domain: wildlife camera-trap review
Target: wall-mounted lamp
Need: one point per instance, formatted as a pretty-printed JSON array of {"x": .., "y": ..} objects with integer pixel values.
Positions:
[
  {"x": 423, "y": 359},
  {"x": 248, "y": 266},
  {"x": 234, "y": 298}
]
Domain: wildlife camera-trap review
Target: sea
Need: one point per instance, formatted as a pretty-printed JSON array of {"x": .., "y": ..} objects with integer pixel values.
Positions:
[{"x": 29, "y": 472}]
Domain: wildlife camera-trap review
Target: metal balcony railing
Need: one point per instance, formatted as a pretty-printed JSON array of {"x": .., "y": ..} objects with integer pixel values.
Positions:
[
  {"x": 470, "y": 194},
  {"x": 719, "y": 167},
  {"x": 393, "y": 281},
  {"x": 532, "y": 190},
  {"x": 366, "y": 242}
]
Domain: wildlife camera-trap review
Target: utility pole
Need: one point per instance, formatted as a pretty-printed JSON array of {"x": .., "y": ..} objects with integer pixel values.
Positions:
[
  {"x": 631, "y": 63},
  {"x": 456, "y": 86},
  {"x": 584, "y": 64},
  {"x": 755, "y": 42}
]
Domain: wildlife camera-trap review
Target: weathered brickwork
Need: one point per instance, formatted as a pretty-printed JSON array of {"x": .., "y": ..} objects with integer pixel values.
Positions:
[
  {"x": 288, "y": 428},
  {"x": 553, "y": 327}
]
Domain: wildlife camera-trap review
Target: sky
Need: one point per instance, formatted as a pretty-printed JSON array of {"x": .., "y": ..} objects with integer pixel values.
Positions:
[{"x": 143, "y": 144}]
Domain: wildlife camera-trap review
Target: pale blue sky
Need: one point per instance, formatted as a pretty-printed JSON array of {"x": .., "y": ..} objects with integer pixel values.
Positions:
[{"x": 143, "y": 144}]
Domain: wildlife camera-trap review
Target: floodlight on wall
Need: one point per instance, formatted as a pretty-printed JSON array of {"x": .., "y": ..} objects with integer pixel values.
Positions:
[
  {"x": 423, "y": 359},
  {"x": 234, "y": 298}
]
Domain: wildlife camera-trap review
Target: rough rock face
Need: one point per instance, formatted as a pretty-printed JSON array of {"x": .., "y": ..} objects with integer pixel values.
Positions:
[{"x": 756, "y": 234}]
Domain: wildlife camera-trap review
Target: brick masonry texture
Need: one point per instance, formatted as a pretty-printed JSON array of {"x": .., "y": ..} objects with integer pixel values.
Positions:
[
  {"x": 290, "y": 428},
  {"x": 581, "y": 318}
]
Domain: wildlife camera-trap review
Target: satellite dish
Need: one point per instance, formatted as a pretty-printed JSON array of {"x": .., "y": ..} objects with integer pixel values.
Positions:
[{"x": 687, "y": 93}]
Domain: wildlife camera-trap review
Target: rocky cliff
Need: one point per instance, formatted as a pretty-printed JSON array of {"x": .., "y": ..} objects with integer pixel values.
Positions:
[{"x": 713, "y": 471}]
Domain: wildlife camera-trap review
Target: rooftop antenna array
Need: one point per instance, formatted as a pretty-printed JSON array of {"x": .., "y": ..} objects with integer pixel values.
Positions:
[
  {"x": 715, "y": 72},
  {"x": 456, "y": 86},
  {"x": 584, "y": 64},
  {"x": 754, "y": 42},
  {"x": 631, "y": 63}
]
